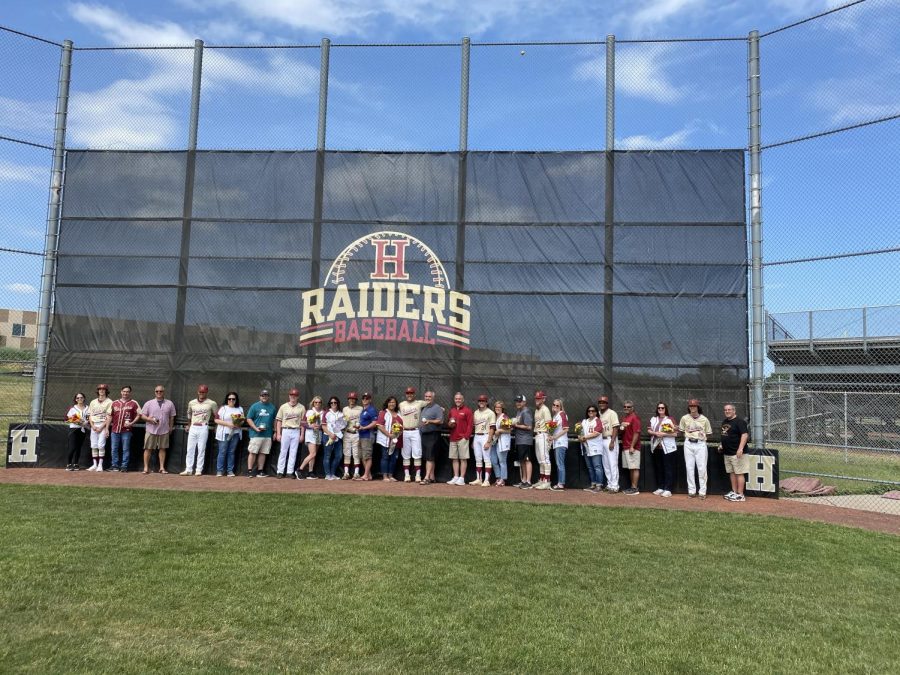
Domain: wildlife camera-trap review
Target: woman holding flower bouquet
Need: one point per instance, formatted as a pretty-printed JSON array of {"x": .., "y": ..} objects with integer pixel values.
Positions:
[
  {"x": 77, "y": 419},
  {"x": 315, "y": 417},
  {"x": 662, "y": 448},
  {"x": 500, "y": 448},
  {"x": 559, "y": 440},
  {"x": 389, "y": 438},
  {"x": 334, "y": 444},
  {"x": 229, "y": 421}
]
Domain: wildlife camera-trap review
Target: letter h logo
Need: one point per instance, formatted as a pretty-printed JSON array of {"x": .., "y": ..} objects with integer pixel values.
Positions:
[
  {"x": 22, "y": 445},
  {"x": 397, "y": 259}
]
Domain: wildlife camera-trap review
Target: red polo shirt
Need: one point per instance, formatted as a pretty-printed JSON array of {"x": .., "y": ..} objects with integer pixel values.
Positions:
[{"x": 465, "y": 423}]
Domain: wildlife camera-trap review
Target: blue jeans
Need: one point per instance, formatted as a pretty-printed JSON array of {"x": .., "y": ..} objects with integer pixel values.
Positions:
[
  {"x": 498, "y": 461},
  {"x": 227, "y": 447},
  {"x": 334, "y": 454},
  {"x": 560, "y": 465},
  {"x": 122, "y": 440},
  {"x": 595, "y": 469},
  {"x": 388, "y": 461}
]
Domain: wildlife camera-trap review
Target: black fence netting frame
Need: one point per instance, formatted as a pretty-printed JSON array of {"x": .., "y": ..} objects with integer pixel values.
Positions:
[{"x": 182, "y": 267}]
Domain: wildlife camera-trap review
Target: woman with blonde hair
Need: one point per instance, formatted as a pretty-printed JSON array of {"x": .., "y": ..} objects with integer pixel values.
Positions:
[
  {"x": 559, "y": 441},
  {"x": 500, "y": 448},
  {"x": 315, "y": 417}
]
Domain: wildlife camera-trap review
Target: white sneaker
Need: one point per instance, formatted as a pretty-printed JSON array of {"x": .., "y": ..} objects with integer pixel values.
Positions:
[
  {"x": 99, "y": 468},
  {"x": 459, "y": 480},
  {"x": 92, "y": 467},
  {"x": 407, "y": 479},
  {"x": 477, "y": 481},
  {"x": 658, "y": 492},
  {"x": 612, "y": 490},
  {"x": 418, "y": 477},
  {"x": 542, "y": 485},
  {"x": 198, "y": 472},
  {"x": 729, "y": 494},
  {"x": 666, "y": 493},
  {"x": 486, "y": 483},
  {"x": 186, "y": 472}
]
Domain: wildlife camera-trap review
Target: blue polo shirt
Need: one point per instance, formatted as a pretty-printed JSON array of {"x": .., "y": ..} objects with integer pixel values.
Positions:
[{"x": 367, "y": 416}]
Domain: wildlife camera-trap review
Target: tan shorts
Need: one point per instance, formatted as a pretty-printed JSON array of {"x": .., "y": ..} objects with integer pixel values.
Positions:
[
  {"x": 735, "y": 464},
  {"x": 631, "y": 460},
  {"x": 459, "y": 449},
  {"x": 259, "y": 444},
  {"x": 365, "y": 448},
  {"x": 156, "y": 441}
]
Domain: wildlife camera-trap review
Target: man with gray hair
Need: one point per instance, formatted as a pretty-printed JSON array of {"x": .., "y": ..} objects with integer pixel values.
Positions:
[
  {"x": 735, "y": 435},
  {"x": 630, "y": 433},
  {"x": 430, "y": 423}
]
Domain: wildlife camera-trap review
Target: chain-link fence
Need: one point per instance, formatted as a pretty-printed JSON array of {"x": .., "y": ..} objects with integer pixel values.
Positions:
[{"x": 830, "y": 137}]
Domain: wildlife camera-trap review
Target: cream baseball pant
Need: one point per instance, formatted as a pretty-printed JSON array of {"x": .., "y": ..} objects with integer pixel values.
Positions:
[
  {"x": 542, "y": 452},
  {"x": 287, "y": 456},
  {"x": 412, "y": 447},
  {"x": 482, "y": 451},
  {"x": 610, "y": 456},
  {"x": 196, "y": 441},
  {"x": 98, "y": 442},
  {"x": 351, "y": 448},
  {"x": 695, "y": 456}
]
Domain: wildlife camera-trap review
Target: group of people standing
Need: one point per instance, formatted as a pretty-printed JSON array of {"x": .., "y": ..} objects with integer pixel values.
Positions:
[{"x": 411, "y": 430}]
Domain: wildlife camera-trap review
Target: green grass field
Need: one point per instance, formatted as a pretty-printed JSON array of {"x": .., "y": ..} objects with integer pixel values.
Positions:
[
  {"x": 133, "y": 581},
  {"x": 857, "y": 464}
]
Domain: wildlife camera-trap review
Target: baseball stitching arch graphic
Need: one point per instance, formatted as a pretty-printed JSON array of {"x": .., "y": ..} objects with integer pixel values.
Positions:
[{"x": 339, "y": 266}]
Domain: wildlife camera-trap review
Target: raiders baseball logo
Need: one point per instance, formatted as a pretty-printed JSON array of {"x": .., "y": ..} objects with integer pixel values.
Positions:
[{"x": 386, "y": 303}]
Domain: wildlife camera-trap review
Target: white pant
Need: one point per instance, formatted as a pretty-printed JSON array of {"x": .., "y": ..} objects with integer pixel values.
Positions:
[
  {"x": 610, "y": 456},
  {"x": 695, "y": 455},
  {"x": 196, "y": 440},
  {"x": 351, "y": 448},
  {"x": 98, "y": 442},
  {"x": 287, "y": 456},
  {"x": 542, "y": 453},
  {"x": 412, "y": 446},
  {"x": 482, "y": 451}
]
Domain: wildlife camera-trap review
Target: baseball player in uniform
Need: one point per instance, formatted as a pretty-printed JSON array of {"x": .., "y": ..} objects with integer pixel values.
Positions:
[
  {"x": 99, "y": 417},
  {"x": 695, "y": 427},
  {"x": 542, "y": 415},
  {"x": 610, "y": 420},
  {"x": 287, "y": 432},
  {"x": 200, "y": 411},
  {"x": 352, "y": 412},
  {"x": 484, "y": 420},
  {"x": 410, "y": 410}
]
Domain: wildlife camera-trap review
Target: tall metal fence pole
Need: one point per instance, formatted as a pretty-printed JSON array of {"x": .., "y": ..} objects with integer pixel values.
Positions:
[
  {"x": 51, "y": 238},
  {"x": 187, "y": 214},
  {"x": 315, "y": 264},
  {"x": 756, "y": 282},
  {"x": 462, "y": 180},
  {"x": 609, "y": 212}
]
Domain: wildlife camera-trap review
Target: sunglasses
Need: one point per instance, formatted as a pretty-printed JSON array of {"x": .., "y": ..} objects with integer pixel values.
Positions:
[
  {"x": 332, "y": 402},
  {"x": 231, "y": 398},
  {"x": 662, "y": 407},
  {"x": 592, "y": 410}
]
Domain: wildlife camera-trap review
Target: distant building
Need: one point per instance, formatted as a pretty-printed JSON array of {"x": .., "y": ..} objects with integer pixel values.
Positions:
[{"x": 18, "y": 328}]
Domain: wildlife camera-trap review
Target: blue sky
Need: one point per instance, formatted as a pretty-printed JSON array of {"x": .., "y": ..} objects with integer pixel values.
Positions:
[{"x": 821, "y": 197}]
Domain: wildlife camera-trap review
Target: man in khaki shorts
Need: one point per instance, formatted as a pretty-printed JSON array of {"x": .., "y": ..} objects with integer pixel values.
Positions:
[
  {"x": 630, "y": 427},
  {"x": 461, "y": 426},
  {"x": 352, "y": 412},
  {"x": 735, "y": 435},
  {"x": 261, "y": 420},
  {"x": 159, "y": 414},
  {"x": 368, "y": 419}
]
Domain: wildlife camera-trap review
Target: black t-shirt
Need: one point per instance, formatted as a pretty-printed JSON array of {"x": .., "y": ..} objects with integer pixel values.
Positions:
[{"x": 732, "y": 430}]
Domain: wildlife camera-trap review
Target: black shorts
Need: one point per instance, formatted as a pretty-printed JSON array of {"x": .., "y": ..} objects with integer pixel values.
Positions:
[
  {"x": 431, "y": 443},
  {"x": 523, "y": 451}
]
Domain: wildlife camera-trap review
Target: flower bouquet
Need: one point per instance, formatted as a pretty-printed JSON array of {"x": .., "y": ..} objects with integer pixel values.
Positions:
[
  {"x": 312, "y": 418},
  {"x": 396, "y": 429},
  {"x": 74, "y": 419},
  {"x": 552, "y": 427},
  {"x": 667, "y": 428},
  {"x": 578, "y": 428},
  {"x": 350, "y": 425},
  {"x": 237, "y": 419},
  {"x": 506, "y": 424}
]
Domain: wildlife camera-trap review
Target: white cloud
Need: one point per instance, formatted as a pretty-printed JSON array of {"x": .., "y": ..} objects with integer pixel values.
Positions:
[
  {"x": 27, "y": 116},
  {"x": 24, "y": 289},
  {"x": 24, "y": 173},
  {"x": 677, "y": 139},
  {"x": 653, "y": 13},
  {"x": 641, "y": 72}
]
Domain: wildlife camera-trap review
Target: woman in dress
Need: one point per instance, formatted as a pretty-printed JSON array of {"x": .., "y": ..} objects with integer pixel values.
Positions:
[
  {"x": 388, "y": 439},
  {"x": 334, "y": 443},
  {"x": 228, "y": 421},
  {"x": 77, "y": 419},
  {"x": 313, "y": 437},
  {"x": 591, "y": 438},
  {"x": 559, "y": 441},
  {"x": 662, "y": 447},
  {"x": 500, "y": 448}
]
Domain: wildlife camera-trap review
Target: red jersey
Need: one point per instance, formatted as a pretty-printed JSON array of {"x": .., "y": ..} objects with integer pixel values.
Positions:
[
  {"x": 631, "y": 434},
  {"x": 465, "y": 423},
  {"x": 124, "y": 411}
]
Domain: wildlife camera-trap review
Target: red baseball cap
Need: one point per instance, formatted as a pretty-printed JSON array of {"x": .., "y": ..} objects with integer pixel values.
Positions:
[
  {"x": 540, "y": 394},
  {"x": 410, "y": 390},
  {"x": 294, "y": 392},
  {"x": 366, "y": 395},
  {"x": 203, "y": 388},
  {"x": 352, "y": 394},
  {"x": 694, "y": 401},
  {"x": 603, "y": 399},
  {"x": 483, "y": 397},
  {"x": 103, "y": 386}
]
